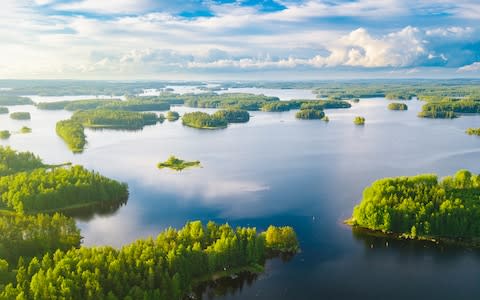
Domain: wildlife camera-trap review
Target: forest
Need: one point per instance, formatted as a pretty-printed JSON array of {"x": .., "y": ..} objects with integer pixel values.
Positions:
[
  {"x": 5, "y": 134},
  {"x": 397, "y": 106},
  {"x": 249, "y": 102},
  {"x": 310, "y": 114},
  {"x": 12, "y": 161},
  {"x": 4, "y": 110},
  {"x": 473, "y": 131},
  {"x": 422, "y": 206},
  {"x": 359, "y": 120},
  {"x": 25, "y": 129},
  {"x": 14, "y": 100},
  {"x": 102, "y": 118},
  {"x": 172, "y": 116},
  {"x": 203, "y": 120},
  {"x": 76, "y": 104},
  {"x": 448, "y": 109},
  {"x": 20, "y": 115},
  {"x": 232, "y": 115},
  {"x": 167, "y": 267},
  {"x": 72, "y": 132}
]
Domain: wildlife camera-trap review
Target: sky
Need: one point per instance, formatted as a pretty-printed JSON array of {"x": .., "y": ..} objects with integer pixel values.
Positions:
[{"x": 239, "y": 39}]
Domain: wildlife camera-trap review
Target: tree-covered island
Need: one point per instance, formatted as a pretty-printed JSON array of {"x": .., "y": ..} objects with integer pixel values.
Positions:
[
  {"x": 359, "y": 120},
  {"x": 423, "y": 207},
  {"x": 473, "y": 131},
  {"x": 20, "y": 115},
  {"x": 177, "y": 164},
  {"x": 397, "y": 106}
]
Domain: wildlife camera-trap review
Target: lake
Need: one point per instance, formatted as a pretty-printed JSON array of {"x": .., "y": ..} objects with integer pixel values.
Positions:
[{"x": 282, "y": 171}]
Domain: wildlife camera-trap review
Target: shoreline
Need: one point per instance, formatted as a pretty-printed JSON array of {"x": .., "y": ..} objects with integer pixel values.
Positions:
[{"x": 451, "y": 241}]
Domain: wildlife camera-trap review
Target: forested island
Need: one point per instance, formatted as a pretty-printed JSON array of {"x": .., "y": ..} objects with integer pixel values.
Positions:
[
  {"x": 448, "y": 108},
  {"x": 167, "y": 267},
  {"x": 20, "y": 115},
  {"x": 423, "y": 207},
  {"x": 14, "y": 100},
  {"x": 177, "y": 164},
  {"x": 102, "y": 118},
  {"x": 172, "y": 116},
  {"x": 25, "y": 130},
  {"x": 233, "y": 115},
  {"x": 473, "y": 131},
  {"x": 310, "y": 114},
  {"x": 359, "y": 120},
  {"x": 397, "y": 106},
  {"x": 203, "y": 120},
  {"x": 76, "y": 104},
  {"x": 4, "y": 110},
  {"x": 4, "y": 134},
  {"x": 72, "y": 132}
]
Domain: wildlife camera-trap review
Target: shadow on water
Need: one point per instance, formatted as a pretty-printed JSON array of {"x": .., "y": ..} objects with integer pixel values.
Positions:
[{"x": 87, "y": 213}]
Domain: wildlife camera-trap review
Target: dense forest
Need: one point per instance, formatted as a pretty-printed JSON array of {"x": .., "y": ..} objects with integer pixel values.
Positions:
[
  {"x": 5, "y": 134},
  {"x": 249, "y": 102},
  {"x": 137, "y": 105},
  {"x": 20, "y": 115},
  {"x": 397, "y": 106},
  {"x": 310, "y": 114},
  {"x": 172, "y": 116},
  {"x": 449, "y": 108},
  {"x": 232, "y": 115},
  {"x": 203, "y": 120},
  {"x": 14, "y": 100},
  {"x": 163, "y": 268},
  {"x": 72, "y": 132},
  {"x": 101, "y": 118},
  {"x": 423, "y": 205},
  {"x": 76, "y": 104},
  {"x": 12, "y": 161}
]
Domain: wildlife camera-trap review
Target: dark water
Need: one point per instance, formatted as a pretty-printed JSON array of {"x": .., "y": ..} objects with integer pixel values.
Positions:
[{"x": 279, "y": 170}]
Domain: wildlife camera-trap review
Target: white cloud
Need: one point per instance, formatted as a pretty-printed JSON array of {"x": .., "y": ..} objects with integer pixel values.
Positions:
[
  {"x": 475, "y": 67},
  {"x": 105, "y": 6}
]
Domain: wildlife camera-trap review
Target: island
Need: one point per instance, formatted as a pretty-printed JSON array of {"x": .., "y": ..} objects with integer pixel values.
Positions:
[
  {"x": 177, "y": 164},
  {"x": 14, "y": 100},
  {"x": 20, "y": 115},
  {"x": 397, "y": 106},
  {"x": 4, "y": 134},
  {"x": 4, "y": 110},
  {"x": 473, "y": 131},
  {"x": 76, "y": 104},
  {"x": 423, "y": 207},
  {"x": 172, "y": 116},
  {"x": 359, "y": 120},
  {"x": 167, "y": 267},
  {"x": 399, "y": 96},
  {"x": 113, "y": 119},
  {"x": 233, "y": 115},
  {"x": 203, "y": 120},
  {"x": 72, "y": 132},
  {"x": 310, "y": 114},
  {"x": 25, "y": 129},
  {"x": 448, "y": 108}
]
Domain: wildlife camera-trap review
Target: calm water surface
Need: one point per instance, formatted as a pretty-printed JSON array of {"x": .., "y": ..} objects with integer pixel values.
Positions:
[{"x": 279, "y": 170}]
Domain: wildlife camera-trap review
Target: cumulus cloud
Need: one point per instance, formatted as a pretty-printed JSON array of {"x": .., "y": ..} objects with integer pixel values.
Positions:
[{"x": 475, "y": 67}]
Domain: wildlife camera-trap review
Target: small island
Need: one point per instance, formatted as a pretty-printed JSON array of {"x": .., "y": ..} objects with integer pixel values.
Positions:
[
  {"x": 114, "y": 119},
  {"x": 14, "y": 100},
  {"x": 4, "y": 110},
  {"x": 25, "y": 130},
  {"x": 423, "y": 207},
  {"x": 4, "y": 134},
  {"x": 473, "y": 131},
  {"x": 233, "y": 115},
  {"x": 359, "y": 120},
  {"x": 397, "y": 106},
  {"x": 177, "y": 164},
  {"x": 20, "y": 115},
  {"x": 203, "y": 120},
  {"x": 310, "y": 114},
  {"x": 73, "y": 134},
  {"x": 172, "y": 116}
]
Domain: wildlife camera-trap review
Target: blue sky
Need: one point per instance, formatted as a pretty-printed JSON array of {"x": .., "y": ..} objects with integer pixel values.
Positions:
[{"x": 239, "y": 39}]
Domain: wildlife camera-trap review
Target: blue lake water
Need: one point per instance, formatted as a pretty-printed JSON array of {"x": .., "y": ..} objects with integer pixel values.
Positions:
[{"x": 283, "y": 171}]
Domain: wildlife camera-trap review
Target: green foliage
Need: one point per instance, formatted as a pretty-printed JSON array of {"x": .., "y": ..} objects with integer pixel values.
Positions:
[
  {"x": 203, "y": 120},
  {"x": 163, "y": 268},
  {"x": 423, "y": 206},
  {"x": 59, "y": 188},
  {"x": 249, "y": 102},
  {"x": 20, "y": 115},
  {"x": 399, "y": 96},
  {"x": 4, "y": 134},
  {"x": 72, "y": 132},
  {"x": 173, "y": 116},
  {"x": 177, "y": 164},
  {"x": 448, "y": 109},
  {"x": 473, "y": 131},
  {"x": 12, "y": 161},
  {"x": 279, "y": 106},
  {"x": 14, "y": 100},
  {"x": 3, "y": 110},
  {"x": 283, "y": 239},
  {"x": 25, "y": 129},
  {"x": 359, "y": 120},
  {"x": 233, "y": 115},
  {"x": 100, "y": 118},
  {"x": 310, "y": 114},
  {"x": 29, "y": 236},
  {"x": 76, "y": 104},
  {"x": 137, "y": 105},
  {"x": 397, "y": 106}
]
